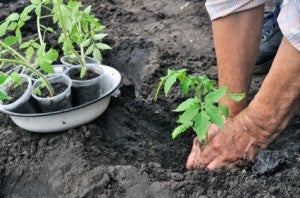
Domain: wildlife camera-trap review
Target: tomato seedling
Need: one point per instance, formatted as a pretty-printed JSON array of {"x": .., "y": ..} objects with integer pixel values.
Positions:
[
  {"x": 201, "y": 110},
  {"x": 81, "y": 31}
]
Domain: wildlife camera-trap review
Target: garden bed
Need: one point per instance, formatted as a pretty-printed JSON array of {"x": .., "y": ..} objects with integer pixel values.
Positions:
[{"x": 128, "y": 151}]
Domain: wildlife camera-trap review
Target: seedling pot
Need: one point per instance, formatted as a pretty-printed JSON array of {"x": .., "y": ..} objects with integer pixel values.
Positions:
[
  {"x": 84, "y": 91},
  {"x": 57, "y": 102},
  {"x": 71, "y": 61},
  {"x": 25, "y": 103},
  {"x": 73, "y": 117}
]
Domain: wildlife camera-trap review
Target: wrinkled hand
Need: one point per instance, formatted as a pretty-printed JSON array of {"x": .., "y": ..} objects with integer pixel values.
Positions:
[{"x": 234, "y": 146}]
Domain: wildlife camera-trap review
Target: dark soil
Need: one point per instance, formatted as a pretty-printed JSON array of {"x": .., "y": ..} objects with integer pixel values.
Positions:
[
  {"x": 57, "y": 87},
  {"x": 15, "y": 93},
  {"x": 128, "y": 151},
  {"x": 88, "y": 76}
]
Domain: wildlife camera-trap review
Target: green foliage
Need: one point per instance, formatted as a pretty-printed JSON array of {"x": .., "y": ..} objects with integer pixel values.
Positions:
[
  {"x": 200, "y": 111},
  {"x": 11, "y": 82},
  {"x": 81, "y": 31}
]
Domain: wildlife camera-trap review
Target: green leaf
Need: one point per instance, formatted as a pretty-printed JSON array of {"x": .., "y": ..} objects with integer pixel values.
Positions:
[
  {"x": 86, "y": 43},
  {"x": 187, "y": 117},
  {"x": 216, "y": 95},
  {"x": 180, "y": 129},
  {"x": 3, "y": 96},
  {"x": 29, "y": 53},
  {"x": 37, "y": 91},
  {"x": 36, "y": 1},
  {"x": 3, "y": 28},
  {"x": 12, "y": 26},
  {"x": 38, "y": 10},
  {"x": 169, "y": 82},
  {"x": 202, "y": 123},
  {"x": 215, "y": 115},
  {"x": 186, "y": 104},
  {"x": 87, "y": 10},
  {"x": 25, "y": 45},
  {"x": 100, "y": 36},
  {"x": 3, "y": 78},
  {"x": 51, "y": 55},
  {"x": 186, "y": 85},
  {"x": 161, "y": 83},
  {"x": 12, "y": 17},
  {"x": 46, "y": 66},
  {"x": 224, "y": 110},
  {"x": 237, "y": 96},
  {"x": 207, "y": 84},
  {"x": 19, "y": 34},
  {"x": 97, "y": 54},
  {"x": 10, "y": 40},
  {"x": 103, "y": 46},
  {"x": 89, "y": 50},
  {"x": 16, "y": 78},
  {"x": 24, "y": 14}
]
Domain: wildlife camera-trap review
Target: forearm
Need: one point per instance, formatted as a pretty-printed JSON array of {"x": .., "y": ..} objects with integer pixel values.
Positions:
[
  {"x": 279, "y": 95},
  {"x": 236, "y": 39}
]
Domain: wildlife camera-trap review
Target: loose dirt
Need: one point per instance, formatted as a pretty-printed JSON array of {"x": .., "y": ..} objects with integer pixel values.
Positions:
[{"x": 128, "y": 151}]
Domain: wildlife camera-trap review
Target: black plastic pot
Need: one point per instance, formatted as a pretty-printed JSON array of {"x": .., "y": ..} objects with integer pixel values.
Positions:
[
  {"x": 84, "y": 91},
  {"x": 24, "y": 104},
  {"x": 58, "y": 102}
]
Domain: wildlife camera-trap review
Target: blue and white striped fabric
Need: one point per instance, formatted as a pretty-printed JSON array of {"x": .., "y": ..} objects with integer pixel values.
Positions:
[{"x": 288, "y": 19}]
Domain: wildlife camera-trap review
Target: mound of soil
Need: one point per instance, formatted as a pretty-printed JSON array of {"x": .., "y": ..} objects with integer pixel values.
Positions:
[{"x": 128, "y": 151}]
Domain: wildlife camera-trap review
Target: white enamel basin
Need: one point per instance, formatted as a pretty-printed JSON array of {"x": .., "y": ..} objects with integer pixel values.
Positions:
[{"x": 74, "y": 117}]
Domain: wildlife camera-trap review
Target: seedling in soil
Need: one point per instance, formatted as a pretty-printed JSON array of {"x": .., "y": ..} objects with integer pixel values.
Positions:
[
  {"x": 11, "y": 82},
  {"x": 81, "y": 32},
  {"x": 36, "y": 56},
  {"x": 201, "y": 110}
]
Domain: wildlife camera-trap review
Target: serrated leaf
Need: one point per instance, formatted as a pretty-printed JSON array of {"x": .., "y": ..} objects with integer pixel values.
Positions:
[
  {"x": 186, "y": 104},
  {"x": 10, "y": 40},
  {"x": 100, "y": 36},
  {"x": 202, "y": 123},
  {"x": 186, "y": 85},
  {"x": 29, "y": 53},
  {"x": 51, "y": 55},
  {"x": 216, "y": 95},
  {"x": 25, "y": 45},
  {"x": 86, "y": 43},
  {"x": 187, "y": 117},
  {"x": 103, "y": 46},
  {"x": 87, "y": 10},
  {"x": 12, "y": 17},
  {"x": 224, "y": 110},
  {"x": 16, "y": 78},
  {"x": 3, "y": 28},
  {"x": 12, "y": 26},
  {"x": 180, "y": 129},
  {"x": 237, "y": 96},
  {"x": 37, "y": 91},
  {"x": 169, "y": 82},
  {"x": 215, "y": 115},
  {"x": 46, "y": 66},
  {"x": 3, "y": 78},
  {"x": 89, "y": 50},
  {"x": 3, "y": 96},
  {"x": 97, "y": 54}
]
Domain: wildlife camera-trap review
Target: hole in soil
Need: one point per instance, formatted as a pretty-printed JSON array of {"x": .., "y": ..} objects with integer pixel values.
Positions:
[{"x": 133, "y": 133}]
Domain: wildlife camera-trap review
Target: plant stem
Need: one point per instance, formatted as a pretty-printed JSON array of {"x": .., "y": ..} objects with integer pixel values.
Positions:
[
  {"x": 32, "y": 68},
  {"x": 63, "y": 27},
  {"x": 39, "y": 30},
  {"x": 14, "y": 52}
]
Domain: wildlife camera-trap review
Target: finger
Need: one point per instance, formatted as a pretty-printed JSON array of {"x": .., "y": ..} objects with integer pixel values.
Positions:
[
  {"x": 219, "y": 163},
  {"x": 194, "y": 155},
  {"x": 206, "y": 157}
]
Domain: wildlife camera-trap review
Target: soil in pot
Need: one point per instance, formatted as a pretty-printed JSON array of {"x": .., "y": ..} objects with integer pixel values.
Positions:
[
  {"x": 62, "y": 98},
  {"x": 24, "y": 107},
  {"x": 85, "y": 89},
  {"x": 57, "y": 87}
]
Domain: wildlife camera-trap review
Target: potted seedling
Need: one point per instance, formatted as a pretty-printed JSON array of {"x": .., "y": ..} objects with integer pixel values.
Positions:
[
  {"x": 81, "y": 36},
  {"x": 36, "y": 58},
  {"x": 202, "y": 109}
]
